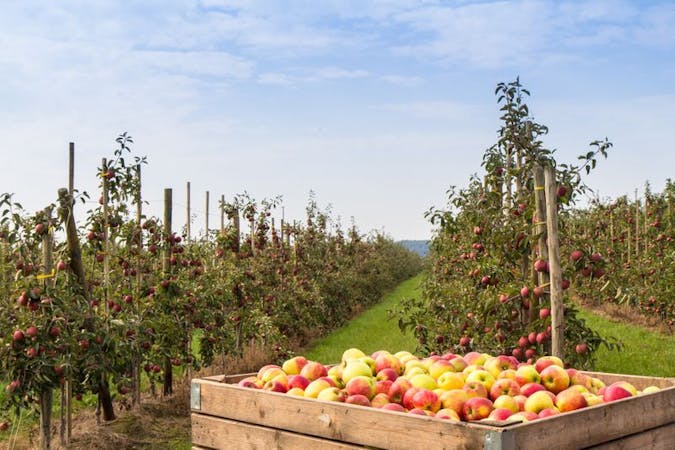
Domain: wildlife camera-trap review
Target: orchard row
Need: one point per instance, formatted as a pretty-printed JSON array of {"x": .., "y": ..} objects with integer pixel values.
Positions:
[{"x": 129, "y": 295}]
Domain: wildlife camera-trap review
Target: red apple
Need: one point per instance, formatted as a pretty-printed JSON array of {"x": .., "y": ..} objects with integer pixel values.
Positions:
[
  {"x": 527, "y": 374},
  {"x": 313, "y": 370},
  {"x": 358, "y": 399},
  {"x": 361, "y": 385},
  {"x": 426, "y": 400},
  {"x": 530, "y": 388},
  {"x": 569, "y": 400},
  {"x": 298, "y": 381},
  {"x": 500, "y": 414},
  {"x": 504, "y": 386},
  {"x": 538, "y": 401},
  {"x": 617, "y": 391},
  {"x": 477, "y": 408},
  {"x": 294, "y": 365},
  {"x": 393, "y": 407},
  {"x": 555, "y": 379}
]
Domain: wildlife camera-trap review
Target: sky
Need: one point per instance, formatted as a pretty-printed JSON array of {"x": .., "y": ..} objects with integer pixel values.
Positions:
[{"x": 377, "y": 107}]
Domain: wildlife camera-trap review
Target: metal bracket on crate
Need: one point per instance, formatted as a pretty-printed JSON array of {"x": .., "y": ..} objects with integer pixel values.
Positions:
[
  {"x": 195, "y": 396},
  {"x": 496, "y": 440}
]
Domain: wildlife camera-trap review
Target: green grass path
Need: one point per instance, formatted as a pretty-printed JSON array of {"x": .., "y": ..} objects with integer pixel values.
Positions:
[
  {"x": 370, "y": 331},
  {"x": 646, "y": 353}
]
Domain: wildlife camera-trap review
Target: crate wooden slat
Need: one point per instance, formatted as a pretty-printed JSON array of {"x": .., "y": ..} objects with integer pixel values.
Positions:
[
  {"x": 215, "y": 432},
  {"x": 661, "y": 438},
  {"x": 222, "y": 408}
]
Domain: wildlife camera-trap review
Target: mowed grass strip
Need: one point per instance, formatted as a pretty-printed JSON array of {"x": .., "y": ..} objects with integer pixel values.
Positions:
[
  {"x": 646, "y": 353},
  {"x": 370, "y": 331}
]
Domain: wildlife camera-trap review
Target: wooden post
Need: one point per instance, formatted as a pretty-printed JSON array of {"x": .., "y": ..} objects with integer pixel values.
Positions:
[
  {"x": 71, "y": 168},
  {"x": 166, "y": 267},
  {"x": 281, "y": 226},
  {"x": 541, "y": 278},
  {"x": 222, "y": 214},
  {"x": 46, "y": 393},
  {"x": 206, "y": 233},
  {"x": 637, "y": 225},
  {"x": 66, "y": 429},
  {"x": 557, "y": 327},
  {"x": 188, "y": 219},
  {"x": 237, "y": 230}
]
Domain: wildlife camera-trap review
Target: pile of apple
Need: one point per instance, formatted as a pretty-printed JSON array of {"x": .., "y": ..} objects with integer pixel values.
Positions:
[{"x": 472, "y": 387}]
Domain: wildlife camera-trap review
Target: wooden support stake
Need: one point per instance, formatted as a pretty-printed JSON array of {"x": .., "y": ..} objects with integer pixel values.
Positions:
[
  {"x": 206, "y": 234},
  {"x": 46, "y": 393},
  {"x": 188, "y": 220},
  {"x": 166, "y": 267},
  {"x": 557, "y": 326},
  {"x": 541, "y": 278},
  {"x": 637, "y": 225},
  {"x": 137, "y": 358},
  {"x": 222, "y": 214}
]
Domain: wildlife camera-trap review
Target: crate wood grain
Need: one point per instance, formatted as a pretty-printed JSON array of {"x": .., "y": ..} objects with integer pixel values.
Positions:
[{"x": 233, "y": 410}]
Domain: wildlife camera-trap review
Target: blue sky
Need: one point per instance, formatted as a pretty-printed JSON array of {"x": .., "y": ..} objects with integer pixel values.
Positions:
[{"x": 376, "y": 106}]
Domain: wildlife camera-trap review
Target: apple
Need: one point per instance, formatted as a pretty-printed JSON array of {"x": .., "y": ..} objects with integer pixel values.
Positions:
[
  {"x": 520, "y": 400},
  {"x": 538, "y": 401},
  {"x": 18, "y": 336},
  {"x": 578, "y": 378},
  {"x": 388, "y": 361},
  {"x": 500, "y": 414},
  {"x": 508, "y": 373},
  {"x": 596, "y": 257},
  {"x": 548, "y": 412},
  {"x": 617, "y": 391},
  {"x": 439, "y": 367},
  {"x": 361, "y": 385},
  {"x": 477, "y": 408},
  {"x": 370, "y": 361},
  {"x": 313, "y": 388},
  {"x": 379, "y": 400},
  {"x": 332, "y": 394},
  {"x": 398, "y": 389},
  {"x": 576, "y": 255},
  {"x": 451, "y": 380},
  {"x": 448, "y": 414},
  {"x": 525, "y": 416},
  {"x": 555, "y": 379},
  {"x": 277, "y": 384},
  {"x": 596, "y": 385},
  {"x": 530, "y": 388},
  {"x": 454, "y": 399},
  {"x": 475, "y": 389},
  {"x": 650, "y": 389},
  {"x": 313, "y": 370},
  {"x": 476, "y": 358},
  {"x": 570, "y": 399},
  {"x": 296, "y": 392},
  {"x": 415, "y": 371},
  {"x": 527, "y": 374},
  {"x": 592, "y": 399},
  {"x": 506, "y": 402},
  {"x": 581, "y": 348},
  {"x": 270, "y": 373},
  {"x": 541, "y": 265},
  {"x": 358, "y": 399},
  {"x": 266, "y": 367},
  {"x": 393, "y": 407},
  {"x": 352, "y": 353},
  {"x": 252, "y": 382},
  {"x": 423, "y": 380},
  {"x": 546, "y": 361},
  {"x": 525, "y": 292},
  {"x": 354, "y": 368},
  {"x": 544, "y": 313},
  {"x": 413, "y": 364},
  {"x": 459, "y": 363},
  {"x": 298, "y": 381},
  {"x": 387, "y": 374},
  {"x": 497, "y": 364},
  {"x": 294, "y": 365},
  {"x": 382, "y": 386},
  {"x": 504, "y": 386},
  {"x": 408, "y": 396},
  {"x": 426, "y": 400}
]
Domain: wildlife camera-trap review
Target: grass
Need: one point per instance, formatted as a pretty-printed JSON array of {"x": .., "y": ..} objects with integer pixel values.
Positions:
[
  {"x": 646, "y": 353},
  {"x": 370, "y": 331}
]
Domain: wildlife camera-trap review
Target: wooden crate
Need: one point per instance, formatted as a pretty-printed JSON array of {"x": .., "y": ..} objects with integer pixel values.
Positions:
[{"x": 226, "y": 416}]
